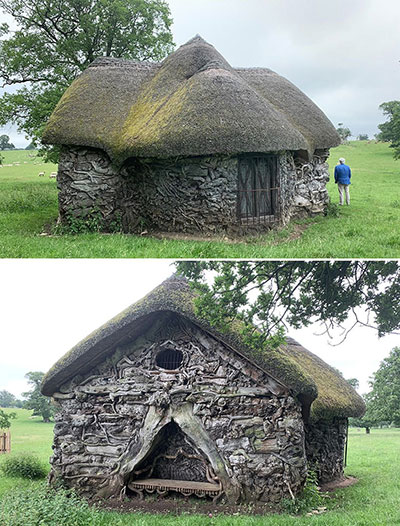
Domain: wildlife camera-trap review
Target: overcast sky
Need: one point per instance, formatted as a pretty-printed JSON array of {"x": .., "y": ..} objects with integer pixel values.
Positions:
[
  {"x": 343, "y": 54},
  {"x": 47, "y": 306}
]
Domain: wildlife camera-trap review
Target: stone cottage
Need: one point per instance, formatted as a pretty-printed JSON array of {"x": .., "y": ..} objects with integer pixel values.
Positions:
[
  {"x": 156, "y": 400},
  {"x": 190, "y": 144}
]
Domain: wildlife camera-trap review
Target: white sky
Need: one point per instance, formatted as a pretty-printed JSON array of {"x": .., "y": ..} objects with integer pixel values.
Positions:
[
  {"x": 47, "y": 306},
  {"x": 343, "y": 54}
]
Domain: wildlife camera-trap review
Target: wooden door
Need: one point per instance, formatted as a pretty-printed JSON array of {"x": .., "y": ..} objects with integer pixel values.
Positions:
[{"x": 258, "y": 188}]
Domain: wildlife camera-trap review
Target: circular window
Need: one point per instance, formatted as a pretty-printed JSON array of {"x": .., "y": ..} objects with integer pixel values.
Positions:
[{"x": 169, "y": 359}]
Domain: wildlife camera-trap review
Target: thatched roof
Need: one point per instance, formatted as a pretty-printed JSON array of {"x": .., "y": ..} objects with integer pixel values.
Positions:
[
  {"x": 306, "y": 375},
  {"x": 193, "y": 103}
]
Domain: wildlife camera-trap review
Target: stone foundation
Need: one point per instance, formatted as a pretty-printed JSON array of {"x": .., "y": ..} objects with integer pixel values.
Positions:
[{"x": 192, "y": 195}]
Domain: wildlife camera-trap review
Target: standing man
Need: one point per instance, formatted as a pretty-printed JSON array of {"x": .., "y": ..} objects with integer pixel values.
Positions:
[{"x": 342, "y": 179}]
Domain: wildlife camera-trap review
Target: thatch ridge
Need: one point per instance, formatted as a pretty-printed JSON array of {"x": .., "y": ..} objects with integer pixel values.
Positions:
[
  {"x": 304, "y": 373},
  {"x": 300, "y": 110},
  {"x": 193, "y": 103},
  {"x": 112, "y": 62}
]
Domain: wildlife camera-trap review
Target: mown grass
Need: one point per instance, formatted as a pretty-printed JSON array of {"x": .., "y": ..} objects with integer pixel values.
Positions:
[
  {"x": 29, "y": 434},
  {"x": 368, "y": 228},
  {"x": 373, "y": 501}
]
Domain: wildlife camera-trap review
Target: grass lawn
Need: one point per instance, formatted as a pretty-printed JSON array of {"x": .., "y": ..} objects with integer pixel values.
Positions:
[
  {"x": 28, "y": 434},
  {"x": 369, "y": 228},
  {"x": 373, "y": 501}
]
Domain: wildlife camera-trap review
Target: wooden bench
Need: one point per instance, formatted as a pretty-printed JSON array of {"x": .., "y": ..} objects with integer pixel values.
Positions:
[{"x": 185, "y": 487}]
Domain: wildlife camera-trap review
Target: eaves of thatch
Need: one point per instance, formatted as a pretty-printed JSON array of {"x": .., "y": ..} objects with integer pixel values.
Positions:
[
  {"x": 307, "y": 376},
  {"x": 193, "y": 103}
]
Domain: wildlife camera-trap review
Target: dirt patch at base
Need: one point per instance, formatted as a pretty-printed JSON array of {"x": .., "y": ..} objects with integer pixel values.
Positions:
[
  {"x": 296, "y": 231},
  {"x": 178, "y": 506},
  {"x": 250, "y": 238},
  {"x": 338, "y": 484},
  {"x": 178, "y": 236}
]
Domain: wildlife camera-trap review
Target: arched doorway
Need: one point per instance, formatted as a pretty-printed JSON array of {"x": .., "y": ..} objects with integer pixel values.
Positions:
[{"x": 174, "y": 464}]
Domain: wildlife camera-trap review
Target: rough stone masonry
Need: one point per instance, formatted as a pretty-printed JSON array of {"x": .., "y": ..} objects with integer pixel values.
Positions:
[
  {"x": 245, "y": 427},
  {"x": 190, "y": 195}
]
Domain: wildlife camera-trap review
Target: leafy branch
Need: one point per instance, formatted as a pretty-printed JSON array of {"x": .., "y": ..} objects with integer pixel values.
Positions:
[{"x": 268, "y": 297}]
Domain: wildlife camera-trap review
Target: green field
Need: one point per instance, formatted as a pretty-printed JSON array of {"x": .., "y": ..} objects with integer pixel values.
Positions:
[
  {"x": 369, "y": 228},
  {"x": 28, "y": 434},
  {"x": 373, "y": 501}
]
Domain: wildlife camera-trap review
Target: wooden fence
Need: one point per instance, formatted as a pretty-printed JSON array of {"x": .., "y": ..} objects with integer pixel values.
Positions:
[{"x": 5, "y": 442}]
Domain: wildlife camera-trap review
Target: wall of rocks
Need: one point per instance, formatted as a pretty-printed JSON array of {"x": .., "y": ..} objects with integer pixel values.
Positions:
[
  {"x": 310, "y": 196},
  {"x": 325, "y": 443},
  {"x": 181, "y": 195},
  {"x": 243, "y": 424},
  {"x": 189, "y": 195},
  {"x": 88, "y": 184}
]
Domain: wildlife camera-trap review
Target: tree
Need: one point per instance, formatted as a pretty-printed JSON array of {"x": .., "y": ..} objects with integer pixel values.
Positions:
[
  {"x": 57, "y": 40},
  {"x": 5, "y": 143},
  {"x": 390, "y": 130},
  {"x": 344, "y": 133},
  {"x": 363, "y": 137},
  {"x": 7, "y": 399},
  {"x": 268, "y": 296},
  {"x": 365, "y": 421},
  {"x": 355, "y": 384},
  {"x": 40, "y": 404},
  {"x": 384, "y": 398},
  {"x": 5, "y": 419}
]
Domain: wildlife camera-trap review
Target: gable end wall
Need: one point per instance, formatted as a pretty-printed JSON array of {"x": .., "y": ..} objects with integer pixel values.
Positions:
[{"x": 255, "y": 437}]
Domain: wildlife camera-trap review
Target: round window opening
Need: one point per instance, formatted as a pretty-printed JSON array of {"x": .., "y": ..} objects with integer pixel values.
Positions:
[{"x": 169, "y": 359}]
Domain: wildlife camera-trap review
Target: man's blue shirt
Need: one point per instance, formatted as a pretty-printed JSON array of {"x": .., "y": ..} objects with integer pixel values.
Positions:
[{"x": 342, "y": 174}]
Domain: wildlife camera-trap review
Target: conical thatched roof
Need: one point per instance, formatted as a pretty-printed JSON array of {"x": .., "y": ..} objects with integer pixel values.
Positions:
[
  {"x": 193, "y": 103},
  {"x": 306, "y": 375}
]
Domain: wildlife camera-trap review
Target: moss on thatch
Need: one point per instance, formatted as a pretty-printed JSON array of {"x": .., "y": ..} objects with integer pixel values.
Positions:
[
  {"x": 336, "y": 397},
  {"x": 193, "y": 103},
  {"x": 306, "y": 375},
  {"x": 92, "y": 116}
]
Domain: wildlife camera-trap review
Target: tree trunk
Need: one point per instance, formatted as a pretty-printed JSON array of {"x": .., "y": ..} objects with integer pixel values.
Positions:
[{"x": 367, "y": 430}]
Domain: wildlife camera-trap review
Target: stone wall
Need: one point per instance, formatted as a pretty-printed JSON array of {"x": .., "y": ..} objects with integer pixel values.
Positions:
[
  {"x": 325, "y": 443},
  {"x": 310, "y": 196},
  {"x": 287, "y": 174},
  {"x": 241, "y": 422},
  {"x": 181, "y": 195},
  {"x": 88, "y": 184},
  {"x": 189, "y": 195}
]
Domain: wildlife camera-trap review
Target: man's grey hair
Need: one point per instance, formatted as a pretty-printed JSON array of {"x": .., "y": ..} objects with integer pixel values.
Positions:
[{"x": 342, "y": 160}]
